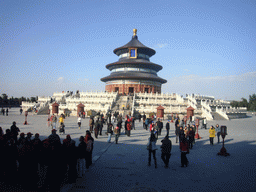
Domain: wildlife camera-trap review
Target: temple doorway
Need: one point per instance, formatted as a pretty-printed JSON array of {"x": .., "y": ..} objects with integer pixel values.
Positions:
[
  {"x": 116, "y": 89},
  {"x": 131, "y": 89},
  {"x": 146, "y": 90}
]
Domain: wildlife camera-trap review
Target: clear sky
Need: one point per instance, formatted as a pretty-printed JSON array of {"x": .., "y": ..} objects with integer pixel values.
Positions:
[{"x": 206, "y": 47}]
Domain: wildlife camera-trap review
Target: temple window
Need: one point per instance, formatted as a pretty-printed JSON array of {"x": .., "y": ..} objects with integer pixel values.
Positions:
[{"x": 133, "y": 53}]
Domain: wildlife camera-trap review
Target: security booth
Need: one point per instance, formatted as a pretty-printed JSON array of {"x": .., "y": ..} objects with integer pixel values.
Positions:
[
  {"x": 160, "y": 112},
  {"x": 55, "y": 108},
  {"x": 80, "y": 108},
  {"x": 190, "y": 112}
]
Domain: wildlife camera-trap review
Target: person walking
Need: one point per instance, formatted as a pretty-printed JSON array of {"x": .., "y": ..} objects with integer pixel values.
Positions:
[
  {"x": 194, "y": 129},
  {"x": 167, "y": 127},
  {"x": 129, "y": 127},
  {"x": 176, "y": 122},
  {"x": 151, "y": 147},
  {"x": 146, "y": 124},
  {"x": 166, "y": 150},
  {"x": 81, "y": 154},
  {"x": 184, "y": 149},
  {"x": 155, "y": 131},
  {"x": 152, "y": 125},
  {"x": 181, "y": 134},
  {"x": 158, "y": 125},
  {"x": 133, "y": 122},
  {"x": 96, "y": 128},
  {"x": 21, "y": 110},
  {"x": 91, "y": 124},
  {"x": 7, "y": 112},
  {"x": 191, "y": 135},
  {"x": 144, "y": 120},
  {"x": 218, "y": 132},
  {"x": 14, "y": 131},
  {"x": 54, "y": 121},
  {"x": 212, "y": 134},
  {"x": 161, "y": 125},
  {"x": 109, "y": 131},
  {"x": 101, "y": 125},
  {"x": 116, "y": 131},
  {"x": 89, "y": 148},
  {"x": 61, "y": 119},
  {"x": 177, "y": 132},
  {"x": 79, "y": 122},
  {"x": 62, "y": 129},
  {"x": 3, "y": 111},
  {"x": 204, "y": 123},
  {"x": 69, "y": 147},
  {"x": 125, "y": 125}
]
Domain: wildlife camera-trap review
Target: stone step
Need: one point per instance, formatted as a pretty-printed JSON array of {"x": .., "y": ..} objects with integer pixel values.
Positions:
[{"x": 217, "y": 116}]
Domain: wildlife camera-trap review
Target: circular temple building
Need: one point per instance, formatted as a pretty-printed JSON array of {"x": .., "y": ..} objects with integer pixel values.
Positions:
[{"x": 133, "y": 72}]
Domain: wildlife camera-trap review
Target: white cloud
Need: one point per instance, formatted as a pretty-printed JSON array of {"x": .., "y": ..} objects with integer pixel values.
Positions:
[
  {"x": 161, "y": 45},
  {"x": 60, "y": 78}
]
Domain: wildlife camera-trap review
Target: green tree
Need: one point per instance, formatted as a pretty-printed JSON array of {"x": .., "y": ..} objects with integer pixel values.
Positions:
[
  {"x": 33, "y": 99},
  {"x": 4, "y": 96},
  {"x": 243, "y": 103},
  {"x": 252, "y": 102},
  {"x": 234, "y": 103}
]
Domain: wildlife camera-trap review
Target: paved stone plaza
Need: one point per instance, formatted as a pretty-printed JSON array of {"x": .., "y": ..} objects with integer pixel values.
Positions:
[{"x": 123, "y": 166}]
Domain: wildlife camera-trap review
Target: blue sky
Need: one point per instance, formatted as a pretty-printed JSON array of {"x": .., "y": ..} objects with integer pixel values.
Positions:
[{"x": 206, "y": 47}]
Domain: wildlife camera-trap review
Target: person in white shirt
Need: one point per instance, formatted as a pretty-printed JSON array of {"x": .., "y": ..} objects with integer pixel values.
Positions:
[{"x": 79, "y": 122}]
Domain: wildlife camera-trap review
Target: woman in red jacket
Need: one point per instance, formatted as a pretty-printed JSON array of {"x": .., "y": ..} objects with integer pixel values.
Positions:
[
  {"x": 152, "y": 125},
  {"x": 129, "y": 127},
  {"x": 184, "y": 150}
]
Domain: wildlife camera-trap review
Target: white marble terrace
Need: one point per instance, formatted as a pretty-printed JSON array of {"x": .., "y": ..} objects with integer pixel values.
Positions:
[{"x": 143, "y": 103}]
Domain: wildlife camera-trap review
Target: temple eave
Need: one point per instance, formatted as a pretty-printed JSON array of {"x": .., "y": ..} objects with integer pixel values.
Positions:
[{"x": 160, "y": 80}]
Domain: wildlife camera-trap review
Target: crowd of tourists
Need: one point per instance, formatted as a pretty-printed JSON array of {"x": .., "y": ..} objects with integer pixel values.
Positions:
[
  {"x": 43, "y": 164},
  {"x": 185, "y": 136},
  {"x": 42, "y": 160}
]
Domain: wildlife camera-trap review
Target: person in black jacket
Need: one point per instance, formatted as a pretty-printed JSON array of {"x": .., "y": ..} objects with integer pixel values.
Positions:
[
  {"x": 158, "y": 125},
  {"x": 167, "y": 127},
  {"x": 101, "y": 124},
  {"x": 161, "y": 125},
  {"x": 177, "y": 132},
  {"x": 14, "y": 131},
  {"x": 166, "y": 150},
  {"x": 181, "y": 134},
  {"x": 69, "y": 148},
  {"x": 81, "y": 154},
  {"x": 97, "y": 128}
]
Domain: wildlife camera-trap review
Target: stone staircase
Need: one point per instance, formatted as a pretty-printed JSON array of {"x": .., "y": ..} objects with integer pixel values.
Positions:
[
  {"x": 43, "y": 110},
  {"x": 217, "y": 116},
  {"x": 121, "y": 101}
]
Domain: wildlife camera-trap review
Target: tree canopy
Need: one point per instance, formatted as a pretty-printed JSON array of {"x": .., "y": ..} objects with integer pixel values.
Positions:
[{"x": 251, "y": 105}]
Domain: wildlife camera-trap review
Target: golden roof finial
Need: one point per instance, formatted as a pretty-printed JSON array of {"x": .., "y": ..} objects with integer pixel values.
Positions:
[{"x": 134, "y": 32}]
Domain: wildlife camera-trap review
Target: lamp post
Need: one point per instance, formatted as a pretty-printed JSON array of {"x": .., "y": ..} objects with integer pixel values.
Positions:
[
  {"x": 223, "y": 151},
  {"x": 172, "y": 118},
  {"x": 197, "y": 134},
  {"x": 26, "y": 114}
]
